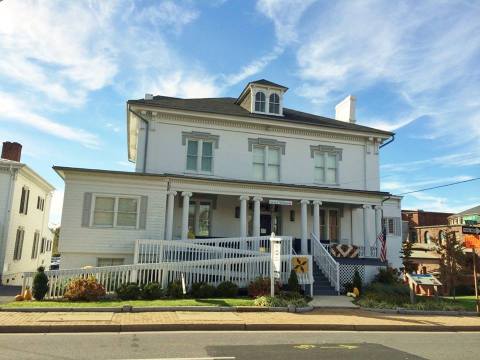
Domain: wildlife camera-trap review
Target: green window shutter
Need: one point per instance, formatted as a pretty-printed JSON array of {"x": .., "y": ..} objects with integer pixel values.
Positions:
[
  {"x": 143, "y": 212},
  {"x": 87, "y": 205}
]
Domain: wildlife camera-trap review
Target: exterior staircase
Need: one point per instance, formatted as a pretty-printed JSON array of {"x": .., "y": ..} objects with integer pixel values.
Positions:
[{"x": 321, "y": 285}]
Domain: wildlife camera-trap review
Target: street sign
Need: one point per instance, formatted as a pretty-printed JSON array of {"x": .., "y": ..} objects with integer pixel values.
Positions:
[
  {"x": 472, "y": 230},
  {"x": 280, "y": 202},
  {"x": 276, "y": 261}
]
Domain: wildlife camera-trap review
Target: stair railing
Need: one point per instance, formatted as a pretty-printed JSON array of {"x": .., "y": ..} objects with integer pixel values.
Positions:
[{"x": 325, "y": 261}]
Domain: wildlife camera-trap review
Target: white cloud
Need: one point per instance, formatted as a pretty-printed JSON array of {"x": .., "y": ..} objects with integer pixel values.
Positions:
[{"x": 16, "y": 110}]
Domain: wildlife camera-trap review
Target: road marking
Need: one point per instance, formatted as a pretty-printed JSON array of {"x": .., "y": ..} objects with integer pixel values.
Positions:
[
  {"x": 340, "y": 346},
  {"x": 192, "y": 358}
]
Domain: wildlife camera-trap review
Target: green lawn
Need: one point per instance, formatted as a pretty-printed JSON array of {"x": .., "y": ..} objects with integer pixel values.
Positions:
[
  {"x": 135, "y": 303},
  {"x": 467, "y": 302}
]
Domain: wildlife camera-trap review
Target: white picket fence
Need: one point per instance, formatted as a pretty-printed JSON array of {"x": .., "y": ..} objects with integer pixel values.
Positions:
[
  {"x": 164, "y": 261},
  {"x": 240, "y": 271}
]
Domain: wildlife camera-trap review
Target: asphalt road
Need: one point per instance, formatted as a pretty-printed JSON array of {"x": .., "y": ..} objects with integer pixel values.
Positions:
[{"x": 242, "y": 345}]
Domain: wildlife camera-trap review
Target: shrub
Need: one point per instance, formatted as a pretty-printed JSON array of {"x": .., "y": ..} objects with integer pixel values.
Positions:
[
  {"x": 261, "y": 287},
  {"x": 84, "y": 289},
  {"x": 387, "y": 276},
  {"x": 269, "y": 301},
  {"x": 40, "y": 284},
  {"x": 348, "y": 287},
  {"x": 128, "y": 291},
  {"x": 293, "y": 284},
  {"x": 202, "y": 290},
  {"x": 175, "y": 290},
  {"x": 396, "y": 294},
  {"x": 152, "y": 291},
  {"x": 357, "y": 281},
  {"x": 290, "y": 295},
  {"x": 227, "y": 289}
]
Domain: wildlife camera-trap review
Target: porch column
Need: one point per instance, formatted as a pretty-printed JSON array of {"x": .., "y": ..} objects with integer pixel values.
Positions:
[
  {"x": 170, "y": 204},
  {"x": 304, "y": 245},
  {"x": 243, "y": 215},
  {"x": 378, "y": 226},
  {"x": 256, "y": 215},
  {"x": 316, "y": 217},
  {"x": 366, "y": 243},
  {"x": 186, "y": 205}
]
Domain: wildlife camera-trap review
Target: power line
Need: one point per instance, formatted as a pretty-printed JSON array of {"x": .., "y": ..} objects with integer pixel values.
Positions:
[{"x": 440, "y": 186}]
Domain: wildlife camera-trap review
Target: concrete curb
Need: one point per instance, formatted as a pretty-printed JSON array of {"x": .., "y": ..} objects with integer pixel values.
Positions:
[
  {"x": 133, "y": 309},
  {"x": 235, "y": 326},
  {"x": 403, "y": 311}
]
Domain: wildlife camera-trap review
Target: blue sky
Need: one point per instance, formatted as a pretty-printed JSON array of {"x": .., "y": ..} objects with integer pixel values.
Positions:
[{"x": 68, "y": 67}]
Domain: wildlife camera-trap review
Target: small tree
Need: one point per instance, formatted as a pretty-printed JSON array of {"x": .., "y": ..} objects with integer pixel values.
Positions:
[
  {"x": 40, "y": 284},
  {"x": 293, "y": 284},
  {"x": 406, "y": 252},
  {"x": 452, "y": 261}
]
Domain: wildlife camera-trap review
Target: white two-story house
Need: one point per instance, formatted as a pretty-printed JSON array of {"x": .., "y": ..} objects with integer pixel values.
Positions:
[
  {"x": 232, "y": 167},
  {"x": 25, "y": 239}
]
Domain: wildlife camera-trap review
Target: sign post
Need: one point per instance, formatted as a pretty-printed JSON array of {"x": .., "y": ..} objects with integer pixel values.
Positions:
[
  {"x": 472, "y": 241},
  {"x": 276, "y": 261}
]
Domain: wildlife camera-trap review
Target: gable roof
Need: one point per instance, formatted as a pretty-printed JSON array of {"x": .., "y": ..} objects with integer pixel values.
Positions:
[
  {"x": 228, "y": 106},
  {"x": 473, "y": 211},
  {"x": 267, "y": 83}
]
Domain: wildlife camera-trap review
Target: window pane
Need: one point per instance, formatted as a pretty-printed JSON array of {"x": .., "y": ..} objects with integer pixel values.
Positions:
[
  {"x": 258, "y": 154},
  {"x": 331, "y": 161},
  {"x": 274, "y": 156},
  {"x": 103, "y": 218},
  {"x": 127, "y": 205},
  {"x": 319, "y": 175},
  {"x": 191, "y": 162},
  {"x": 204, "y": 218},
  {"x": 319, "y": 159},
  {"x": 331, "y": 176},
  {"x": 207, "y": 149},
  {"x": 260, "y": 102},
  {"x": 206, "y": 164},
  {"x": 192, "y": 148},
  {"x": 273, "y": 173},
  {"x": 191, "y": 216},
  {"x": 258, "y": 171},
  {"x": 104, "y": 203},
  {"x": 126, "y": 219}
]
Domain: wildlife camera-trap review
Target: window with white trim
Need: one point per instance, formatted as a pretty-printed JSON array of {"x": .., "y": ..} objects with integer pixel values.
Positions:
[
  {"x": 115, "y": 211},
  {"x": 266, "y": 163},
  {"x": 24, "y": 200},
  {"x": 392, "y": 226},
  {"x": 199, "y": 155},
  {"x": 17, "y": 250},
  {"x": 260, "y": 101},
  {"x": 274, "y": 104},
  {"x": 326, "y": 168},
  {"x": 43, "y": 246},
  {"x": 36, "y": 238}
]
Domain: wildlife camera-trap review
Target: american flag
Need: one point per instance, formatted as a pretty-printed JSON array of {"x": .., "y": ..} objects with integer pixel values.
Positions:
[{"x": 382, "y": 239}]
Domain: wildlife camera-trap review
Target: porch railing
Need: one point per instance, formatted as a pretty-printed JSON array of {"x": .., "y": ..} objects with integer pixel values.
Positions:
[
  {"x": 254, "y": 243},
  {"x": 372, "y": 251},
  {"x": 329, "y": 266},
  {"x": 241, "y": 271}
]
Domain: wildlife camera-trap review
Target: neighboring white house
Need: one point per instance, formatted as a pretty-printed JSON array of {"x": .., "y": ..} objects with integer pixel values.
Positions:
[
  {"x": 232, "y": 167},
  {"x": 25, "y": 239}
]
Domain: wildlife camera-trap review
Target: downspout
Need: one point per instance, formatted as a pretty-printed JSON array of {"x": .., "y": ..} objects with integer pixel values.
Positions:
[
  {"x": 6, "y": 222},
  {"x": 147, "y": 128},
  {"x": 388, "y": 142}
]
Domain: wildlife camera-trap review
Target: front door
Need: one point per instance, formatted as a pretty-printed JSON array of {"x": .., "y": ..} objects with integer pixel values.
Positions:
[{"x": 265, "y": 224}]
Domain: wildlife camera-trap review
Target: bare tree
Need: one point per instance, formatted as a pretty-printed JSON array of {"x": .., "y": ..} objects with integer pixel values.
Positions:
[{"x": 452, "y": 260}]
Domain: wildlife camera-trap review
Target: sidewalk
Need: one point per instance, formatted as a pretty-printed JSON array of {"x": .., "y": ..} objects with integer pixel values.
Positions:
[{"x": 320, "y": 319}]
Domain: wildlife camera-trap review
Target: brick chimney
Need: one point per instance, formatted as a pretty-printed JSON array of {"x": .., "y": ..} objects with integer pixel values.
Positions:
[{"x": 11, "y": 151}]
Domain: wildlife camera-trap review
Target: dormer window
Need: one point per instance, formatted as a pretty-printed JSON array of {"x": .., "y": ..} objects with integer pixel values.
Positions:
[
  {"x": 260, "y": 101},
  {"x": 274, "y": 104}
]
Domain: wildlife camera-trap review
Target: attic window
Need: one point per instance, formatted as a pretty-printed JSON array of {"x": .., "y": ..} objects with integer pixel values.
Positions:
[
  {"x": 274, "y": 104},
  {"x": 260, "y": 101}
]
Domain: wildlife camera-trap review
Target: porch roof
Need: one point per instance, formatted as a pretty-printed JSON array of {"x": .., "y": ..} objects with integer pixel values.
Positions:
[{"x": 61, "y": 171}]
